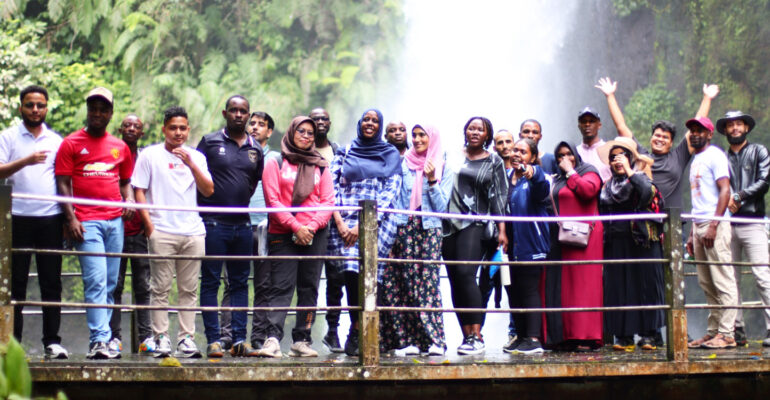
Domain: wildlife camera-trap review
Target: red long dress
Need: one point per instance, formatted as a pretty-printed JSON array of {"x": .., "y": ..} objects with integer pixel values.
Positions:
[{"x": 580, "y": 285}]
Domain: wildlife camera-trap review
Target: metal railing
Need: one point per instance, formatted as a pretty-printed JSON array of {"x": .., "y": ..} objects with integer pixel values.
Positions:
[{"x": 674, "y": 307}]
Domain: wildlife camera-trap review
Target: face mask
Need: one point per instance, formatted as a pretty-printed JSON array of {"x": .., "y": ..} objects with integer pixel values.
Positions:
[{"x": 736, "y": 139}]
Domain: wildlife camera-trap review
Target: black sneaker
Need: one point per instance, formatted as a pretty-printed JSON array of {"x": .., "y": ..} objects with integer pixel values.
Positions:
[
  {"x": 98, "y": 351},
  {"x": 512, "y": 344},
  {"x": 529, "y": 346},
  {"x": 351, "y": 345},
  {"x": 740, "y": 337},
  {"x": 227, "y": 344},
  {"x": 659, "y": 339},
  {"x": 647, "y": 343},
  {"x": 332, "y": 341}
]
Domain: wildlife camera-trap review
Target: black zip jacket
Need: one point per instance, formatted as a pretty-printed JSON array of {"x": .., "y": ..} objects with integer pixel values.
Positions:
[{"x": 750, "y": 178}]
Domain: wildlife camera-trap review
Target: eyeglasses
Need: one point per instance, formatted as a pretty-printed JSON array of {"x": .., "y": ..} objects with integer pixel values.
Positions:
[
  {"x": 325, "y": 119},
  {"x": 40, "y": 106},
  {"x": 532, "y": 131},
  {"x": 305, "y": 132}
]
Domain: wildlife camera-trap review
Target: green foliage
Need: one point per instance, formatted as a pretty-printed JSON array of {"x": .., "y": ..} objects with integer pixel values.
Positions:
[
  {"x": 648, "y": 105},
  {"x": 15, "y": 380},
  {"x": 284, "y": 56},
  {"x": 712, "y": 41}
]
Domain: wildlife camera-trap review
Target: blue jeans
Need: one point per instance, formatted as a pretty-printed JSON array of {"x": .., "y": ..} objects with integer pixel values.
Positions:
[
  {"x": 231, "y": 240},
  {"x": 100, "y": 274}
]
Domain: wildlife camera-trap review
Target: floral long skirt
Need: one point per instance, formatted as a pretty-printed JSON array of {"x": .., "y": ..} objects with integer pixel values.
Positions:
[{"x": 412, "y": 285}]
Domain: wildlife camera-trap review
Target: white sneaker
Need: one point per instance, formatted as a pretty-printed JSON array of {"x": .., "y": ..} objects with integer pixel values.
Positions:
[
  {"x": 164, "y": 346},
  {"x": 56, "y": 351},
  {"x": 410, "y": 350},
  {"x": 147, "y": 347},
  {"x": 302, "y": 349},
  {"x": 271, "y": 348},
  {"x": 115, "y": 346},
  {"x": 471, "y": 346},
  {"x": 436, "y": 350},
  {"x": 186, "y": 348}
]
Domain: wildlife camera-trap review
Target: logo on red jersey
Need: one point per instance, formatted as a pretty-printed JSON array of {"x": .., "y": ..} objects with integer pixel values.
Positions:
[{"x": 115, "y": 153}]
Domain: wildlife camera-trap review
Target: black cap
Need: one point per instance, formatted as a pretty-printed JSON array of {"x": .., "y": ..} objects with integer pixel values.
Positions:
[{"x": 590, "y": 111}]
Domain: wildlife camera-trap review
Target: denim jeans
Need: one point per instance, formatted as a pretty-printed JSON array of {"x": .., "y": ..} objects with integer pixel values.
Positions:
[
  {"x": 231, "y": 240},
  {"x": 100, "y": 274}
]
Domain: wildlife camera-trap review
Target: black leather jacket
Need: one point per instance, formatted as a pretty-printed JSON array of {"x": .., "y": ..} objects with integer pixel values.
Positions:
[{"x": 750, "y": 178}]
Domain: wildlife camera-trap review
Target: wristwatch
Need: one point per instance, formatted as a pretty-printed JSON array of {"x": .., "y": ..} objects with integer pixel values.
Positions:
[{"x": 737, "y": 197}]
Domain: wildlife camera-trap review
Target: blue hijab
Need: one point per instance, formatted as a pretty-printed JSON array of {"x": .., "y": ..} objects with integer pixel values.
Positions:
[{"x": 370, "y": 157}]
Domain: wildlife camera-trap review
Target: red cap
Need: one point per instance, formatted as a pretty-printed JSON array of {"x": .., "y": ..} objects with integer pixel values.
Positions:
[{"x": 702, "y": 121}]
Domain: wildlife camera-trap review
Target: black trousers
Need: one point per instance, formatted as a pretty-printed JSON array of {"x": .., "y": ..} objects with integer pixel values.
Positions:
[
  {"x": 351, "y": 288},
  {"x": 524, "y": 292},
  {"x": 465, "y": 245},
  {"x": 261, "y": 284},
  {"x": 288, "y": 275},
  {"x": 39, "y": 233},
  {"x": 140, "y": 284},
  {"x": 335, "y": 281}
]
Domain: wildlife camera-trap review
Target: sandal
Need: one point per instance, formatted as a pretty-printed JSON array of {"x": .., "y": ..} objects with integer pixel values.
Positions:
[
  {"x": 697, "y": 343},
  {"x": 719, "y": 341}
]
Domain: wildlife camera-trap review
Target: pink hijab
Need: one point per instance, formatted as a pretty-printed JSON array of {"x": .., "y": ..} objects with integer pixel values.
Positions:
[{"x": 416, "y": 162}]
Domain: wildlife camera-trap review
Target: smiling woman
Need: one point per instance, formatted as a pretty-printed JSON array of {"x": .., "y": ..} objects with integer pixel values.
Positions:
[{"x": 368, "y": 169}]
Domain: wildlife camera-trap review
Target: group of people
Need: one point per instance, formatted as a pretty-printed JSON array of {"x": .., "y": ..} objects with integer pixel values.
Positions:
[{"x": 502, "y": 174}]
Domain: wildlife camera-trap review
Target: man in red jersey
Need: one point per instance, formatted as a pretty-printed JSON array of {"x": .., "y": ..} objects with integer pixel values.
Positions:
[{"x": 93, "y": 164}]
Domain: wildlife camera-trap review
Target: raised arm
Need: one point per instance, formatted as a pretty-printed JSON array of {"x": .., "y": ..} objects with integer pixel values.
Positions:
[
  {"x": 608, "y": 87},
  {"x": 709, "y": 93}
]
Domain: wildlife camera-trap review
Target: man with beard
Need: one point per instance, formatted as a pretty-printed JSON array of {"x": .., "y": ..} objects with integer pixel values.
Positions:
[
  {"x": 749, "y": 181},
  {"x": 134, "y": 241},
  {"x": 395, "y": 134},
  {"x": 710, "y": 239},
  {"x": 27, "y": 154},
  {"x": 93, "y": 164},
  {"x": 503, "y": 141},
  {"x": 335, "y": 280},
  {"x": 235, "y": 162}
]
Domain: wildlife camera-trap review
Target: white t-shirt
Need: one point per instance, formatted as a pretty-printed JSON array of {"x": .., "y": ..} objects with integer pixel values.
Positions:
[
  {"x": 590, "y": 154},
  {"x": 707, "y": 167},
  {"x": 171, "y": 183},
  {"x": 16, "y": 143}
]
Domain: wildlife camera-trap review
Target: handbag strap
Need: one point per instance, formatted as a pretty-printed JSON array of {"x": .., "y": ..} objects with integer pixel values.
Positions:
[{"x": 556, "y": 212}]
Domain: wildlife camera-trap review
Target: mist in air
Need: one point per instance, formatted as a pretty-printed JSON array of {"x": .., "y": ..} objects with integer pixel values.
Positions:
[{"x": 489, "y": 58}]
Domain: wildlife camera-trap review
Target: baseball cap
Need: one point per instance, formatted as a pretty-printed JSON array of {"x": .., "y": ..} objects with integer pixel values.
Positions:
[
  {"x": 100, "y": 92},
  {"x": 702, "y": 121},
  {"x": 590, "y": 111}
]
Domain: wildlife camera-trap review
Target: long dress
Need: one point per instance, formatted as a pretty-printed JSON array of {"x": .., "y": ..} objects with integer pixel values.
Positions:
[
  {"x": 576, "y": 285},
  {"x": 632, "y": 284}
]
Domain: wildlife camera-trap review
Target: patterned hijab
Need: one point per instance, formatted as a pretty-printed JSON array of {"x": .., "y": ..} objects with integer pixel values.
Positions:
[
  {"x": 305, "y": 160},
  {"x": 416, "y": 162},
  {"x": 370, "y": 157}
]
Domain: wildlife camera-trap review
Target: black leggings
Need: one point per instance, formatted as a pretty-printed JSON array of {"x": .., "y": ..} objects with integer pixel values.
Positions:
[
  {"x": 351, "y": 287},
  {"x": 465, "y": 245},
  {"x": 524, "y": 292}
]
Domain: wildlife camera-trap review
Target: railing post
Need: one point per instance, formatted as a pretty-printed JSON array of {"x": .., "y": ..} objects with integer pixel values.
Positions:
[
  {"x": 369, "y": 323},
  {"x": 6, "y": 309},
  {"x": 676, "y": 316}
]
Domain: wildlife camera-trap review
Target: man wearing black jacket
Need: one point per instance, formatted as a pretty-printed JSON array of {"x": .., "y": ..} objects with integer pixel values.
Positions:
[{"x": 749, "y": 181}]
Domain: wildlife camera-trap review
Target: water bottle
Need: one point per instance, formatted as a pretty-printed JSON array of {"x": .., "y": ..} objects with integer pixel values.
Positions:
[{"x": 505, "y": 274}]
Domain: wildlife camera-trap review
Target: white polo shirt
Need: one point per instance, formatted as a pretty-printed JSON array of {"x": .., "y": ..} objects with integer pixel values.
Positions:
[{"x": 16, "y": 143}]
